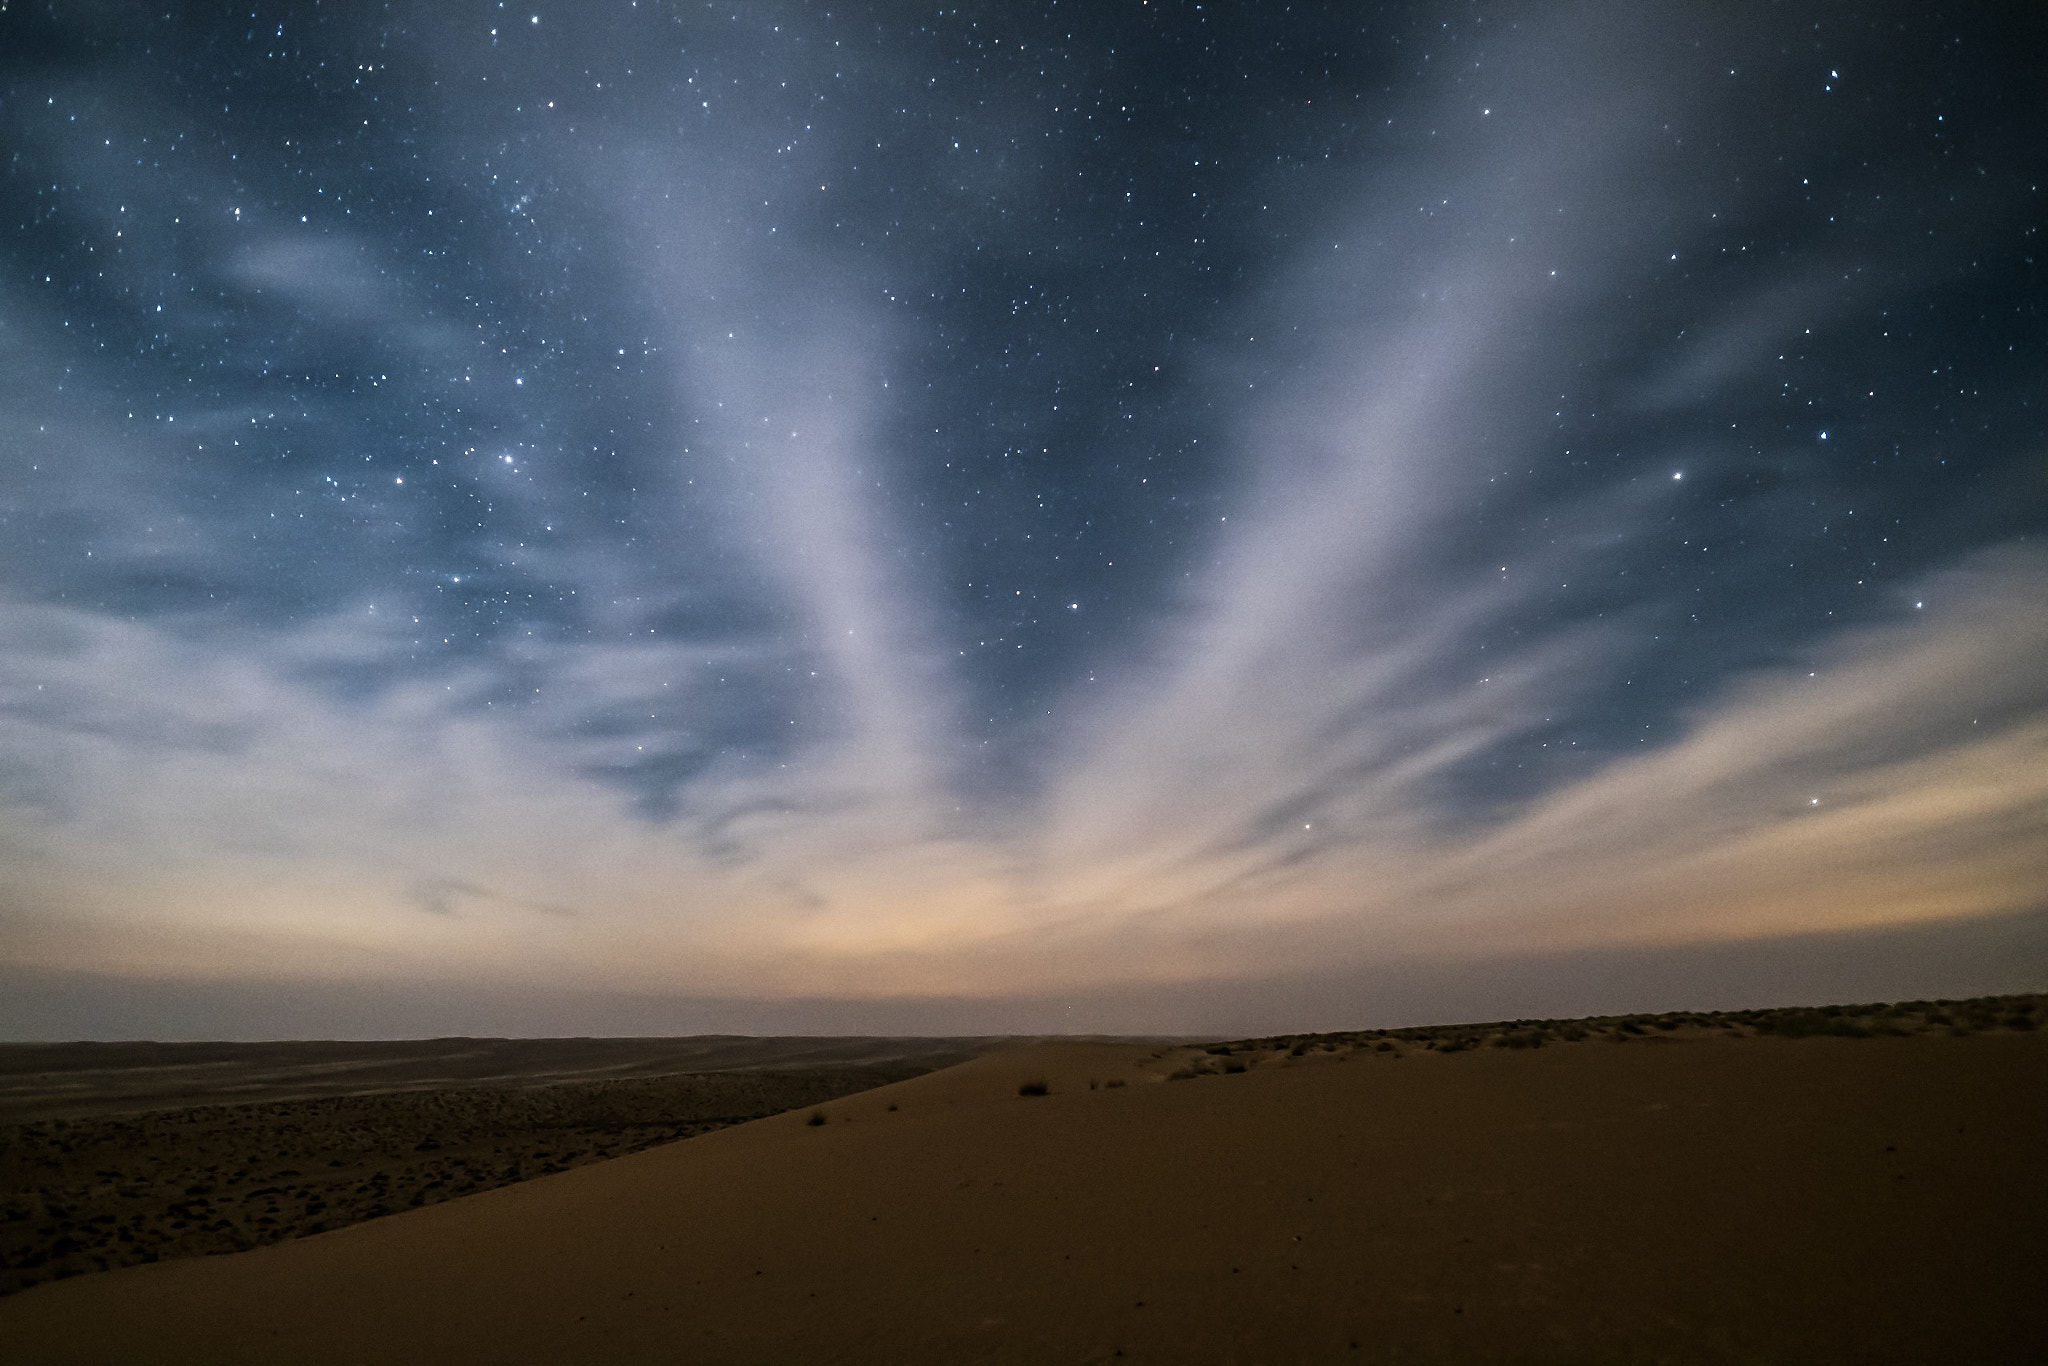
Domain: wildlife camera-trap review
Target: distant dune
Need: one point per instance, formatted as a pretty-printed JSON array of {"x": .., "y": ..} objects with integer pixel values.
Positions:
[{"x": 1860, "y": 1184}]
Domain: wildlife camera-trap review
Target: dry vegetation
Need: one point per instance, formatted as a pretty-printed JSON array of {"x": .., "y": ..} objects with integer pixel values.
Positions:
[
  {"x": 1878, "y": 1020},
  {"x": 88, "y": 1192},
  {"x": 1686, "y": 1187},
  {"x": 92, "y": 1193}
]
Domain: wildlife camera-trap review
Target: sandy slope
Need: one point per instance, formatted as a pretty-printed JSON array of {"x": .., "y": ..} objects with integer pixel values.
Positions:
[
  {"x": 88, "y": 1194},
  {"x": 1703, "y": 1199},
  {"x": 117, "y": 1154}
]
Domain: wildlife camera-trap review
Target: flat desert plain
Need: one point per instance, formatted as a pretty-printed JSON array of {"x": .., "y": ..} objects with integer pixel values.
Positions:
[{"x": 1866, "y": 1185}]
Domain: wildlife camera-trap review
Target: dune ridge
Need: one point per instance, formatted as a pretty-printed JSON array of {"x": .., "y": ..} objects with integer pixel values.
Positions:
[
  {"x": 1857, "y": 1185},
  {"x": 121, "y": 1154}
]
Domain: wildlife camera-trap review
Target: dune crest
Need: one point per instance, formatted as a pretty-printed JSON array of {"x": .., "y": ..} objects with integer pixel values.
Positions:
[{"x": 1706, "y": 1198}]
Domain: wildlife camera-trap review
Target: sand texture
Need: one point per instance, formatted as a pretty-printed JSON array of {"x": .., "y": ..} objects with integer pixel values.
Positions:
[{"x": 1870, "y": 1189}]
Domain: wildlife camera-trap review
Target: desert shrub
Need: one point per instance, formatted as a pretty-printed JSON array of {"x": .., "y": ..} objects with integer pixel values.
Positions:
[
  {"x": 1233, "y": 1066},
  {"x": 1297, "y": 1050},
  {"x": 1806, "y": 1023},
  {"x": 1221, "y": 1050},
  {"x": 817, "y": 1118},
  {"x": 2019, "y": 1020},
  {"x": 1112, "y": 1083},
  {"x": 1573, "y": 1034},
  {"x": 1384, "y": 1047},
  {"x": 1184, "y": 1074},
  {"x": 1034, "y": 1088}
]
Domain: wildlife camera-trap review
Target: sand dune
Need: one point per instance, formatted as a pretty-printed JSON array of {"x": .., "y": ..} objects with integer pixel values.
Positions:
[
  {"x": 88, "y": 1195},
  {"x": 1694, "y": 1196},
  {"x": 122, "y": 1154}
]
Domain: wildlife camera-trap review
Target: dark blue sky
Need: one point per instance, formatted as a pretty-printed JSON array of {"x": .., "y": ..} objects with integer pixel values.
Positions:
[{"x": 889, "y": 502}]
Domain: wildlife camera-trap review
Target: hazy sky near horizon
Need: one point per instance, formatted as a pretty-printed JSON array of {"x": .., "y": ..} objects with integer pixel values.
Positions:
[{"x": 877, "y": 501}]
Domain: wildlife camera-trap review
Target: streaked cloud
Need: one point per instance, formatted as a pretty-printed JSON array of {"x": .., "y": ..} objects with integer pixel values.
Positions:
[{"x": 1523, "y": 527}]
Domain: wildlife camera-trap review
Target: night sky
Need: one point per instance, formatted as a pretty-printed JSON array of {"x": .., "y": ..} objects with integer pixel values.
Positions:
[{"x": 1126, "y": 503}]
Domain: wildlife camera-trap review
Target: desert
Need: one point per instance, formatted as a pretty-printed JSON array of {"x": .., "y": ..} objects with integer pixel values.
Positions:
[
  {"x": 1854, "y": 1183},
  {"x": 1023, "y": 683},
  {"x": 121, "y": 1154}
]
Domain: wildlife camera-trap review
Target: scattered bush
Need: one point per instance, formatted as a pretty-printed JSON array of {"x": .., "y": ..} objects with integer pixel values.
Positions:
[
  {"x": 1034, "y": 1088},
  {"x": 817, "y": 1118},
  {"x": 1803, "y": 1023},
  {"x": 1854, "y": 1021},
  {"x": 1112, "y": 1083}
]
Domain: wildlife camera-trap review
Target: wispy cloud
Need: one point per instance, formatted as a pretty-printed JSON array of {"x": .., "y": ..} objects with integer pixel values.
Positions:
[
  {"x": 212, "y": 817},
  {"x": 651, "y": 673}
]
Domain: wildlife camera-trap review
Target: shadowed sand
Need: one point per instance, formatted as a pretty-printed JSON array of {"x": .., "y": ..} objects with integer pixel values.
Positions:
[{"x": 1694, "y": 1196}]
